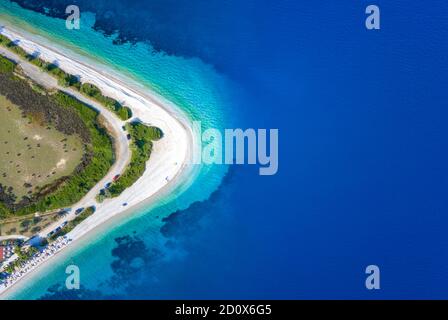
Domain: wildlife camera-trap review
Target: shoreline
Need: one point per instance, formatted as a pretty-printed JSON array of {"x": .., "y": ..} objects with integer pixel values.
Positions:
[{"x": 171, "y": 156}]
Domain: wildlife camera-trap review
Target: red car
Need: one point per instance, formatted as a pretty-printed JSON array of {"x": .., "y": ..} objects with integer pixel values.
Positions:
[{"x": 116, "y": 178}]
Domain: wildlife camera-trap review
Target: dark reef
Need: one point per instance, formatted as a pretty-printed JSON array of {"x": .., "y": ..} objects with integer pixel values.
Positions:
[
  {"x": 133, "y": 260},
  {"x": 155, "y": 21}
]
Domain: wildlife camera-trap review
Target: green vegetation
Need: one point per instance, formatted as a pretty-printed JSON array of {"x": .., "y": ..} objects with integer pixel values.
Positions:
[
  {"x": 33, "y": 155},
  {"x": 73, "y": 223},
  {"x": 26, "y": 254},
  {"x": 23, "y": 256},
  {"x": 4, "y": 211},
  {"x": 4, "y": 40},
  {"x": 142, "y": 138},
  {"x": 6, "y": 65},
  {"x": 69, "y": 116},
  {"x": 92, "y": 91},
  {"x": 98, "y": 147},
  {"x": 67, "y": 80},
  {"x": 27, "y": 225},
  {"x": 64, "y": 79},
  {"x": 34, "y": 59},
  {"x": 14, "y": 47},
  {"x": 100, "y": 151}
]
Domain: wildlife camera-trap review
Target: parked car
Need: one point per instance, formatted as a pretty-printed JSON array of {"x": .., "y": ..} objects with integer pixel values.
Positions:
[
  {"x": 116, "y": 178},
  {"x": 64, "y": 211},
  {"x": 78, "y": 211}
]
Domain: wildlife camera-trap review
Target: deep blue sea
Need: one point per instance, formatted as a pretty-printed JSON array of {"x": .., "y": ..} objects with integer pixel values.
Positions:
[{"x": 363, "y": 160}]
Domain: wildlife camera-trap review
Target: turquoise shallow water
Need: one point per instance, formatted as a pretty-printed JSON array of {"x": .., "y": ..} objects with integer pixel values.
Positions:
[
  {"x": 191, "y": 84},
  {"x": 362, "y": 177}
]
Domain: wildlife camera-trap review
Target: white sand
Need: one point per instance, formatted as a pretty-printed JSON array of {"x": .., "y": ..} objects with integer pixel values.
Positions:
[{"x": 170, "y": 161}]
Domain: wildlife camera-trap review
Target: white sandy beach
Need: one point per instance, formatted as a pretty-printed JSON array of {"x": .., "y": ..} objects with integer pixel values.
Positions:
[{"x": 170, "y": 162}]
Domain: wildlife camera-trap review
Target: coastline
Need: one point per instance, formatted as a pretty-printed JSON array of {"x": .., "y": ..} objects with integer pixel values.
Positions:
[{"x": 171, "y": 157}]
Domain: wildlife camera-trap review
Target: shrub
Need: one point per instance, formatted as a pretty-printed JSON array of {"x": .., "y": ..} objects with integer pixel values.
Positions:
[
  {"x": 142, "y": 137},
  {"x": 124, "y": 113},
  {"x": 6, "y": 65}
]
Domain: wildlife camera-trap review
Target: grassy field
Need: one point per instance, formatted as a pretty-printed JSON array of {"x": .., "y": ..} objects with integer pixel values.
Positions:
[{"x": 33, "y": 155}]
